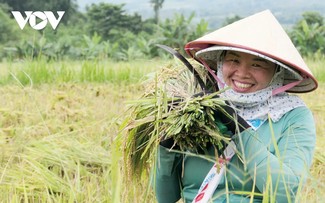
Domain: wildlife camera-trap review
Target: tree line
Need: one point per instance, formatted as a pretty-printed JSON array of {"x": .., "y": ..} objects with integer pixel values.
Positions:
[{"x": 106, "y": 30}]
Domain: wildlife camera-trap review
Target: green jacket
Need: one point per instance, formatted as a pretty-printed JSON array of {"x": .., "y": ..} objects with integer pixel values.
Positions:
[{"x": 276, "y": 161}]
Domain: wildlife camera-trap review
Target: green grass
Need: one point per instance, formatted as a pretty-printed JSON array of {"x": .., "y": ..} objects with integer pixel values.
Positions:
[
  {"x": 41, "y": 71},
  {"x": 317, "y": 67},
  {"x": 58, "y": 138},
  {"x": 314, "y": 191}
]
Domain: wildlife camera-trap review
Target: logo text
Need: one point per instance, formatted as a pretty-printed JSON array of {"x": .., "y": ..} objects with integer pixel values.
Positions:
[{"x": 44, "y": 17}]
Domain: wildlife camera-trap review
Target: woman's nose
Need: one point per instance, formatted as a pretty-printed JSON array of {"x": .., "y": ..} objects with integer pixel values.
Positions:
[{"x": 242, "y": 70}]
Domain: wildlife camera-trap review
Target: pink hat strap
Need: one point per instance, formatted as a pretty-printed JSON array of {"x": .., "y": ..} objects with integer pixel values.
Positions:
[
  {"x": 212, "y": 73},
  {"x": 286, "y": 87},
  {"x": 206, "y": 65}
]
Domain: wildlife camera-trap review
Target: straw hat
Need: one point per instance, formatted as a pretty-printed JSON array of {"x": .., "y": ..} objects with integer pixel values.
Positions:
[{"x": 262, "y": 35}]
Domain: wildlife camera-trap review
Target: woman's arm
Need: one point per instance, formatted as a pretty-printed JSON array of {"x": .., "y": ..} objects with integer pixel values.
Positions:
[{"x": 281, "y": 169}]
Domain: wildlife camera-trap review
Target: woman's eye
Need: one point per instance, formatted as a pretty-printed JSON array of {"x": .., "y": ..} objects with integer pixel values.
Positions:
[
  {"x": 232, "y": 60},
  {"x": 259, "y": 66},
  {"x": 256, "y": 65}
]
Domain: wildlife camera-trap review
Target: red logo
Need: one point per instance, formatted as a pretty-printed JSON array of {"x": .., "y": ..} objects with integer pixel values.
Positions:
[{"x": 199, "y": 197}]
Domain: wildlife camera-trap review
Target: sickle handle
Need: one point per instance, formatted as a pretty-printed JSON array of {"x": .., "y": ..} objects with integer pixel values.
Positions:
[{"x": 185, "y": 62}]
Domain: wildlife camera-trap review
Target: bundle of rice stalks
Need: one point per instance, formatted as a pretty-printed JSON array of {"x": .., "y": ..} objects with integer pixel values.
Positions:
[{"x": 175, "y": 107}]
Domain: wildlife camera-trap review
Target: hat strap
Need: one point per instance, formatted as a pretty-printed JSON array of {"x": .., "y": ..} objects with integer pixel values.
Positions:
[
  {"x": 222, "y": 84},
  {"x": 286, "y": 87}
]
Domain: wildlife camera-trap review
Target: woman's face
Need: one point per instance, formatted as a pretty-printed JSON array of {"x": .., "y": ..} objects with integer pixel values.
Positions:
[{"x": 246, "y": 73}]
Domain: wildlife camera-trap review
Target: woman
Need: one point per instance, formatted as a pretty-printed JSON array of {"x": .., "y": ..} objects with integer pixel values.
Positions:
[{"x": 257, "y": 60}]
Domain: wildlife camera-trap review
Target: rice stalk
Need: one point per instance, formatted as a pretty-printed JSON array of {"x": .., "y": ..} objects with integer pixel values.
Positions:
[
  {"x": 57, "y": 165},
  {"x": 173, "y": 107}
]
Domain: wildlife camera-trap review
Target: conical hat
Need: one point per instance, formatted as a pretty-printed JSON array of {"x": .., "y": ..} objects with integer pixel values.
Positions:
[{"x": 262, "y": 34}]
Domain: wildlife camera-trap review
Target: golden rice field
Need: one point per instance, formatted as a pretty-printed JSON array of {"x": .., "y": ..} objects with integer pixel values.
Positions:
[{"x": 58, "y": 138}]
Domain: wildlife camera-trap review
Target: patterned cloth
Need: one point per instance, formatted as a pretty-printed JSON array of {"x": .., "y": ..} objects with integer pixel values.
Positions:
[{"x": 258, "y": 105}]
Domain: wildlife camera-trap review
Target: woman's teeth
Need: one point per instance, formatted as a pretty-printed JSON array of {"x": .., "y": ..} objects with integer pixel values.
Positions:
[{"x": 242, "y": 85}]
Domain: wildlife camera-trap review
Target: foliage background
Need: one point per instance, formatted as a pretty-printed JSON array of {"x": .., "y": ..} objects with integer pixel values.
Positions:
[{"x": 110, "y": 31}]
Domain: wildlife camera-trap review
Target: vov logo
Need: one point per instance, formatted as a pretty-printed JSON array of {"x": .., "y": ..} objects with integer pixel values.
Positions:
[{"x": 44, "y": 18}]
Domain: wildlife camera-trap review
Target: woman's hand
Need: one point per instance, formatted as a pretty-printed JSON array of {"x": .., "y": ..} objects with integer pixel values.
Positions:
[
  {"x": 228, "y": 116},
  {"x": 231, "y": 119}
]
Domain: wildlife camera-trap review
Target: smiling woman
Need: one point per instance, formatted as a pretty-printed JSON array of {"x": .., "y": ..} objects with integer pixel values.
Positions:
[{"x": 254, "y": 69}]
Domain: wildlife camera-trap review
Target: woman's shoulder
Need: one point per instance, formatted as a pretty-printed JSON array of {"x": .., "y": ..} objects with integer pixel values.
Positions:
[
  {"x": 298, "y": 118},
  {"x": 299, "y": 113}
]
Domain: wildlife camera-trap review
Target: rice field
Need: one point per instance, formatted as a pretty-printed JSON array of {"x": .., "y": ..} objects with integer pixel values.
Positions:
[{"x": 58, "y": 127}]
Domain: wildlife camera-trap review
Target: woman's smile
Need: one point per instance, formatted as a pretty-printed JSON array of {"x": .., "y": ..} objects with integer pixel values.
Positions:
[
  {"x": 246, "y": 73},
  {"x": 241, "y": 86}
]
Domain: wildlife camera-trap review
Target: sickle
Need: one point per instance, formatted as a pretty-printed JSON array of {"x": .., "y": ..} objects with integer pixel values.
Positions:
[{"x": 185, "y": 62}]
